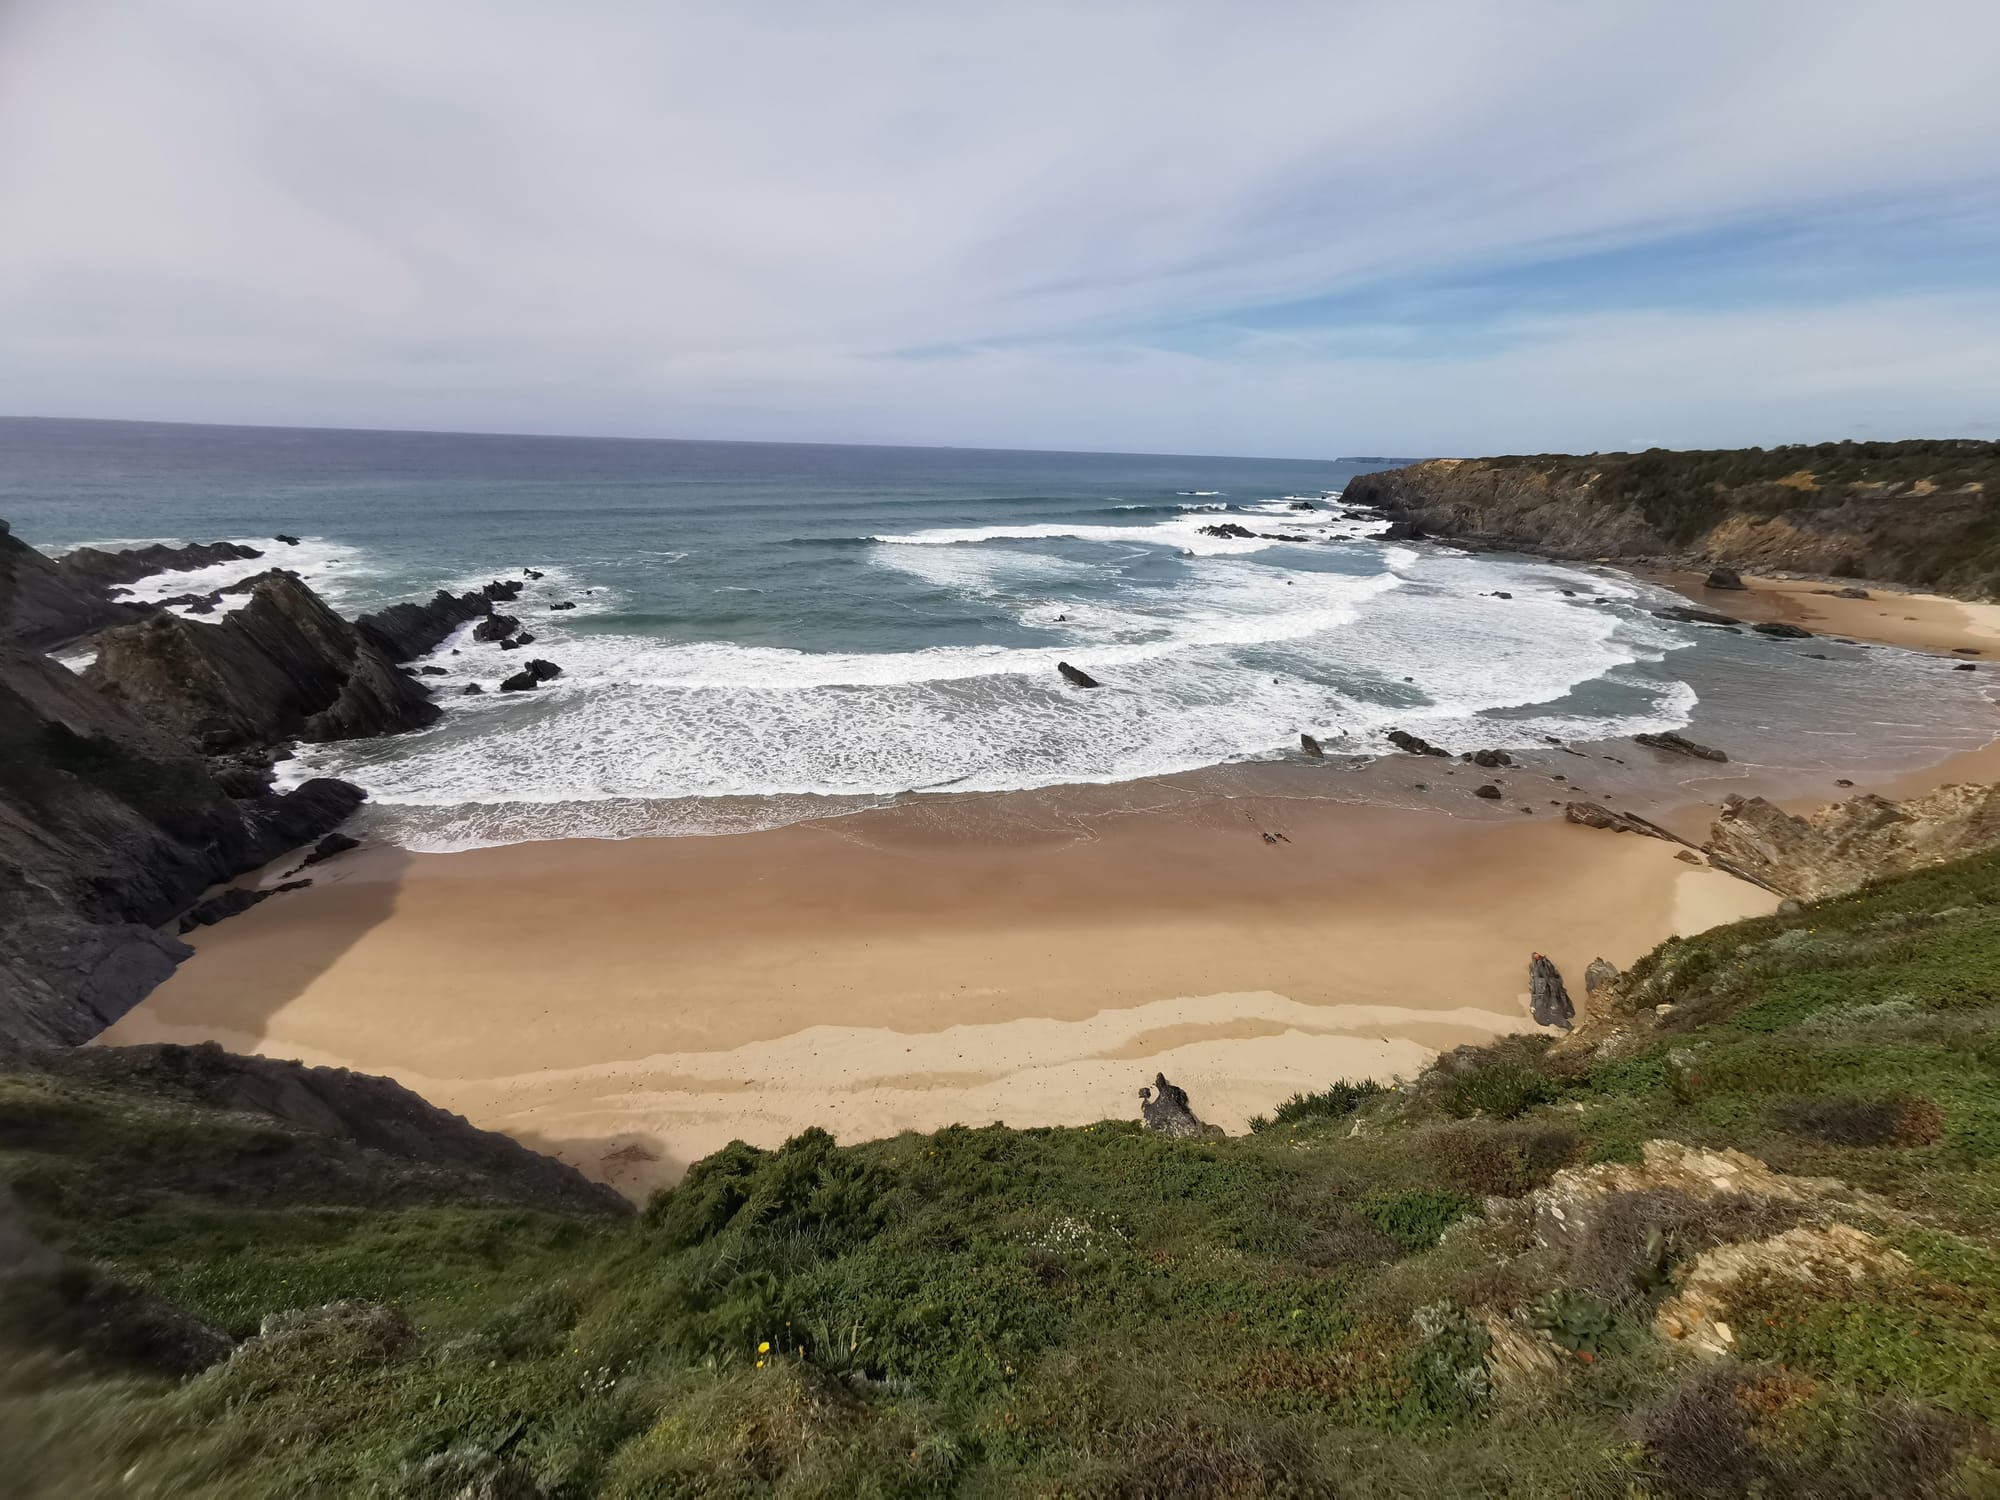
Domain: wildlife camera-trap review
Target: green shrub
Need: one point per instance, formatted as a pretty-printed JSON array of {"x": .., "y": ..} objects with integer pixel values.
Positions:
[
  {"x": 1332, "y": 1103},
  {"x": 1414, "y": 1220}
]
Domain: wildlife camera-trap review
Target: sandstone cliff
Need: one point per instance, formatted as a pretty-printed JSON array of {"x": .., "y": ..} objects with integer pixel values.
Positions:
[
  {"x": 1842, "y": 846},
  {"x": 1921, "y": 513}
]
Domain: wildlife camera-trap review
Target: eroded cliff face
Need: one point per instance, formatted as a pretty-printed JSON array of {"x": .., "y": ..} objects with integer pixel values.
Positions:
[
  {"x": 108, "y": 828},
  {"x": 1534, "y": 510},
  {"x": 1842, "y": 846},
  {"x": 1922, "y": 514},
  {"x": 282, "y": 667}
]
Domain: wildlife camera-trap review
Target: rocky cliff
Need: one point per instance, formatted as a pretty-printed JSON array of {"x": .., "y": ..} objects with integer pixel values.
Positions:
[
  {"x": 281, "y": 667},
  {"x": 1925, "y": 514},
  {"x": 1842, "y": 846},
  {"x": 41, "y": 606},
  {"x": 108, "y": 828},
  {"x": 95, "y": 568}
]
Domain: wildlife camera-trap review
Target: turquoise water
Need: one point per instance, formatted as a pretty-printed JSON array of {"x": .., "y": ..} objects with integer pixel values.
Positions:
[{"x": 763, "y": 632}]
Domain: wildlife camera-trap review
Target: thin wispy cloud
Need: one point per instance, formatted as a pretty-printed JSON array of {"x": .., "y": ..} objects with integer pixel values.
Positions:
[{"x": 1289, "y": 229}]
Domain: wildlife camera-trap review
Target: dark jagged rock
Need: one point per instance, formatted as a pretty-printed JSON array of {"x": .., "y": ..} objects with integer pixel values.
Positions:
[
  {"x": 469, "y": 689},
  {"x": 1547, "y": 998},
  {"x": 1723, "y": 578},
  {"x": 1679, "y": 745},
  {"x": 286, "y": 538},
  {"x": 1303, "y": 505},
  {"x": 1498, "y": 594},
  {"x": 495, "y": 627},
  {"x": 42, "y": 607},
  {"x": 532, "y": 573},
  {"x": 1311, "y": 746},
  {"x": 1783, "y": 630},
  {"x": 1168, "y": 1113},
  {"x": 1849, "y": 593},
  {"x": 328, "y": 847},
  {"x": 564, "y": 604},
  {"x": 1077, "y": 676},
  {"x": 1599, "y": 976},
  {"x": 523, "y": 639},
  {"x": 432, "y": 672},
  {"x": 342, "y": 1137},
  {"x": 1410, "y": 744},
  {"x": 1402, "y": 531},
  {"x": 110, "y": 828},
  {"x": 1965, "y": 666},
  {"x": 1491, "y": 759},
  {"x": 404, "y": 632},
  {"x": 231, "y": 903},
  {"x": 1489, "y": 792},
  {"x": 502, "y": 590},
  {"x": 1228, "y": 529},
  {"x": 533, "y": 675},
  {"x": 1694, "y": 614},
  {"x": 102, "y": 570},
  {"x": 1594, "y": 815},
  {"x": 283, "y": 666}
]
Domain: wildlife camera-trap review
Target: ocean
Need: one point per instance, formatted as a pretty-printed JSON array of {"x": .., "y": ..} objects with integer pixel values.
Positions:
[{"x": 767, "y": 632}]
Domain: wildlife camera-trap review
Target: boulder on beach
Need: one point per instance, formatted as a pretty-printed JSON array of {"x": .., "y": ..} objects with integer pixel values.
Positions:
[
  {"x": 328, "y": 847},
  {"x": 1077, "y": 676},
  {"x": 1311, "y": 746},
  {"x": 1849, "y": 593},
  {"x": 1168, "y": 1113},
  {"x": 1783, "y": 630},
  {"x": 1679, "y": 745},
  {"x": 1490, "y": 792},
  {"x": 1547, "y": 998},
  {"x": 1723, "y": 578},
  {"x": 1491, "y": 759},
  {"x": 1411, "y": 744},
  {"x": 1596, "y": 815}
]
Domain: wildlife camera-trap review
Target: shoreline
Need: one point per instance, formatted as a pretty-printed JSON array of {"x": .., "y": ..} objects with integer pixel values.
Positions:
[{"x": 630, "y": 1006}]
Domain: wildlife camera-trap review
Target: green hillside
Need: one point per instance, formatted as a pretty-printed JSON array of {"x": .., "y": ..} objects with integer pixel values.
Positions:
[{"x": 1355, "y": 1299}]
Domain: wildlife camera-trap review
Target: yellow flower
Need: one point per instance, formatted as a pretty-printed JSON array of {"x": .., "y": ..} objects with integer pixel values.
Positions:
[
  {"x": 765, "y": 1347},
  {"x": 760, "y": 1364}
]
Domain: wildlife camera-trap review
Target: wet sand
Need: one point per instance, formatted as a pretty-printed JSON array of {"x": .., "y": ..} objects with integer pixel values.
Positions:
[{"x": 1919, "y": 622}]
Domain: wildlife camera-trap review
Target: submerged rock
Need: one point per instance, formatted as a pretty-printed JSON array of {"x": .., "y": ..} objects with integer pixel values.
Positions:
[
  {"x": 1695, "y": 615},
  {"x": 533, "y": 675},
  {"x": 1783, "y": 630},
  {"x": 1679, "y": 745}
]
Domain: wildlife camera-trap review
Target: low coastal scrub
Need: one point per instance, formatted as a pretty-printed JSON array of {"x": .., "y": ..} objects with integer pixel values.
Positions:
[{"x": 1493, "y": 1280}]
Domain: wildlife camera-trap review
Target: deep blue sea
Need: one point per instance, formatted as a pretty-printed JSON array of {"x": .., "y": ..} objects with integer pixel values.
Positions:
[{"x": 768, "y": 631}]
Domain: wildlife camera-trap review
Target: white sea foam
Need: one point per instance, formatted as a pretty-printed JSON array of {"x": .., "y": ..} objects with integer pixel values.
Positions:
[
  {"x": 644, "y": 735},
  {"x": 334, "y": 570}
]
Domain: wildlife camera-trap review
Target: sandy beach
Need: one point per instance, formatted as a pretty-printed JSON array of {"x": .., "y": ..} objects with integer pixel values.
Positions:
[{"x": 1033, "y": 957}]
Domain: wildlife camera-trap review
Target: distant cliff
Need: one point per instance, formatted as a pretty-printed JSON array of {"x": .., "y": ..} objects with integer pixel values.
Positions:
[{"x": 1924, "y": 513}]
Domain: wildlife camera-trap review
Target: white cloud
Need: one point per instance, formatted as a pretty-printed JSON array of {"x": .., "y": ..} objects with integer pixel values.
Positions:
[{"x": 618, "y": 217}]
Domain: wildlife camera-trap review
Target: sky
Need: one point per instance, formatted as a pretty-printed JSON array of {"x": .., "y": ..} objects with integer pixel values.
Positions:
[{"x": 1304, "y": 230}]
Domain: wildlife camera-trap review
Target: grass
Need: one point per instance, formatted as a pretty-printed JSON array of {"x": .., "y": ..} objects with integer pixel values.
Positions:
[{"x": 1096, "y": 1311}]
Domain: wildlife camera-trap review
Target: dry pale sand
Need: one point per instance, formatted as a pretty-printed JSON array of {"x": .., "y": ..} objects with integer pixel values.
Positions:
[
  {"x": 1033, "y": 958},
  {"x": 1921, "y": 622}
]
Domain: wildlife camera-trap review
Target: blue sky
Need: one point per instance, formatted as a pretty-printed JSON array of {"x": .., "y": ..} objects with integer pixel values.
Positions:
[{"x": 1291, "y": 229}]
